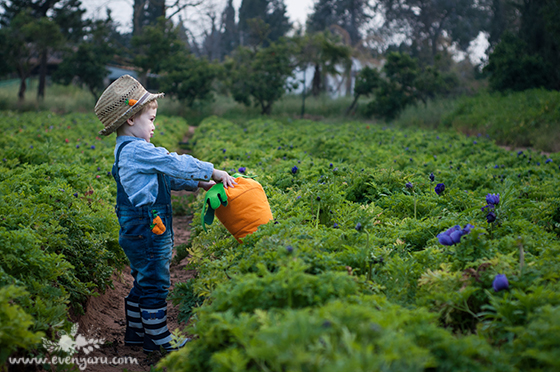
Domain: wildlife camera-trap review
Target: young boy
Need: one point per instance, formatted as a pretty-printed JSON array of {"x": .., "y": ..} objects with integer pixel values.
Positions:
[{"x": 145, "y": 174}]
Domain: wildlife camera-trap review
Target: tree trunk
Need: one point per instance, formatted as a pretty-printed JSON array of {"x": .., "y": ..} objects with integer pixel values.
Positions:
[
  {"x": 303, "y": 94},
  {"x": 352, "y": 105},
  {"x": 316, "y": 86},
  {"x": 266, "y": 109},
  {"x": 138, "y": 16},
  {"x": 42, "y": 76},
  {"x": 22, "y": 88},
  {"x": 349, "y": 76}
]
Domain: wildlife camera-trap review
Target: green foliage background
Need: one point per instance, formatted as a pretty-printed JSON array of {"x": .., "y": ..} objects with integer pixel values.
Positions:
[{"x": 313, "y": 290}]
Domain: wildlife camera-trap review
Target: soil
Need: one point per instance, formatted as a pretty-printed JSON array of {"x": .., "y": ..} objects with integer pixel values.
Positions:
[{"x": 104, "y": 316}]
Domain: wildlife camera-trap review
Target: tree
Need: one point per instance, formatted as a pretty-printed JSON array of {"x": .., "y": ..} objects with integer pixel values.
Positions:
[
  {"x": 367, "y": 80},
  {"x": 88, "y": 62},
  {"x": 259, "y": 76},
  {"x": 425, "y": 23},
  {"x": 350, "y": 15},
  {"x": 154, "y": 45},
  {"x": 528, "y": 55},
  {"x": 188, "y": 78},
  {"x": 230, "y": 35},
  {"x": 404, "y": 84},
  {"x": 26, "y": 40},
  {"x": 325, "y": 52},
  {"x": 145, "y": 13},
  {"x": 512, "y": 67},
  {"x": 65, "y": 13},
  {"x": 273, "y": 20}
]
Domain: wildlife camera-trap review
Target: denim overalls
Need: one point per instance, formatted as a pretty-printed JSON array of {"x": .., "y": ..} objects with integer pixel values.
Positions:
[{"x": 149, "y": 254}]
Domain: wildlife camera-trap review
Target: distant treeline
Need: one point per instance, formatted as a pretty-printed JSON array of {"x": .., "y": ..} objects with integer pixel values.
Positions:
[{"x": 250, "y": 53}]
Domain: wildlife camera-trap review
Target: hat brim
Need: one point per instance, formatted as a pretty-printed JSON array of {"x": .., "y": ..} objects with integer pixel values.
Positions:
[{"x": 128, "y": 114}]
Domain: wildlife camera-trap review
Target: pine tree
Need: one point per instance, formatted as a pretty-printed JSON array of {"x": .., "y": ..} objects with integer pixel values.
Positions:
[
  {"x": 262, "y": 21},
  {"x": 230, "y": 36}
]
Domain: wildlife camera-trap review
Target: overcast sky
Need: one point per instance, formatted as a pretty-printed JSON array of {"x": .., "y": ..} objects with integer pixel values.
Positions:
[{"x": 122, "y": 10}]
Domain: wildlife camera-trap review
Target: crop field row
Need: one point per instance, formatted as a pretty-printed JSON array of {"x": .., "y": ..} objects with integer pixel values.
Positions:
[
  {"x": 58, "y": 229},
  {"x": 389, "y": 251}
]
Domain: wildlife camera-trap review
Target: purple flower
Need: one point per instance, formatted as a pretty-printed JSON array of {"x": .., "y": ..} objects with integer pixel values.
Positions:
[
  {"x": 92, "y": 147},
  {"x": 75, "y": 194},
  {"x": 77, "y": 146},
  {"x": 493, "y": 199},
  {"x": 409, "y": 185},
  {"x": 290, "y": 249},
  {"x": 440, "y": 187},
  {"x": 491, "y": 217},
  {"x": 358, "y": 226},
  {"x": 467, "y": 229},
  {"x": 500, "y": 282},
  {"x": 224, "y": 151},
  {"x": 432, "y": 177},
  {"x": 453, "y": 235},
  {"x": 318, "y": 198},
  {"x": 548, "y": 161},
  {"x": 294, "y": 170},
  {"x": 456, "y": 236},
  {"x": 335, "y": 225},
  {"x": 519, "y": 153},
  {"x": 330, "y": 165},
  {"x": 242, "y": 169},
  {"x": 444, "y": 239}
]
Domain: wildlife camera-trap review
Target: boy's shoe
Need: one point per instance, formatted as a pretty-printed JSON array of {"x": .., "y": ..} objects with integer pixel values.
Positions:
[
  {"x": 156, "y": 333},
  {"x": 134, "y": 334}
]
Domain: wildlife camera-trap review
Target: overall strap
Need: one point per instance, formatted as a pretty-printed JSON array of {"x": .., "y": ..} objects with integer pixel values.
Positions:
[{"x": 122, "y": 197}]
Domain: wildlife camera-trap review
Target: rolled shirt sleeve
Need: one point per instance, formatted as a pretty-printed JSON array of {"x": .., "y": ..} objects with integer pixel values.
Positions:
[
  {"x": 178, "y": 184},
  {"x": 141, "y": 161}
]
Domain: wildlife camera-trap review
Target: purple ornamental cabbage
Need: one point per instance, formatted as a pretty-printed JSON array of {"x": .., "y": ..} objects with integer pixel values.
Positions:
[{"x": 500, "y": 282}]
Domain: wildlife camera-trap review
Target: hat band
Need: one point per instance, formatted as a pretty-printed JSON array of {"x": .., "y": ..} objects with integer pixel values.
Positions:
[{"x": 140, "y": 101}]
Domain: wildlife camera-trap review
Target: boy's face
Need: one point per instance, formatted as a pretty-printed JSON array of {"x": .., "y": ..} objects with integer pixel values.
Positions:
[{"x": 143, "y": 125}]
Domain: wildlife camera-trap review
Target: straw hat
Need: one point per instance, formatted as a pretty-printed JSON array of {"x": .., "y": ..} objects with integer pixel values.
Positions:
[{"x": 122, "y": 99}]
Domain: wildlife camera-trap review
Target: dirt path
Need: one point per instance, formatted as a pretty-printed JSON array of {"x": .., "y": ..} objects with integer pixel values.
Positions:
[{"x": 104, "y": 315}]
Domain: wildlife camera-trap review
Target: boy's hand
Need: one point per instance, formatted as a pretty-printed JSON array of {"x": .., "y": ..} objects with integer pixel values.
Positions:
[
  {"x": 206, "y": 185},
  {"x": 223, "y": 177}
]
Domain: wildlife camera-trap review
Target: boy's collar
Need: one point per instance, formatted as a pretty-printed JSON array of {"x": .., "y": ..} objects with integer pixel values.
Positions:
[{"x": 128, "y": 138}]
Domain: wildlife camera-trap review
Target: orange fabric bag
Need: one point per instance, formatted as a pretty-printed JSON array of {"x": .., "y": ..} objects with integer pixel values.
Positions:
[{"x": 245, "y": 209}]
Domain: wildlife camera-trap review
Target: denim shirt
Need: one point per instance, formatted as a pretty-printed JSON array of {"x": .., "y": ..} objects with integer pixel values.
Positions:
[{"x": 140, "y": 161}]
